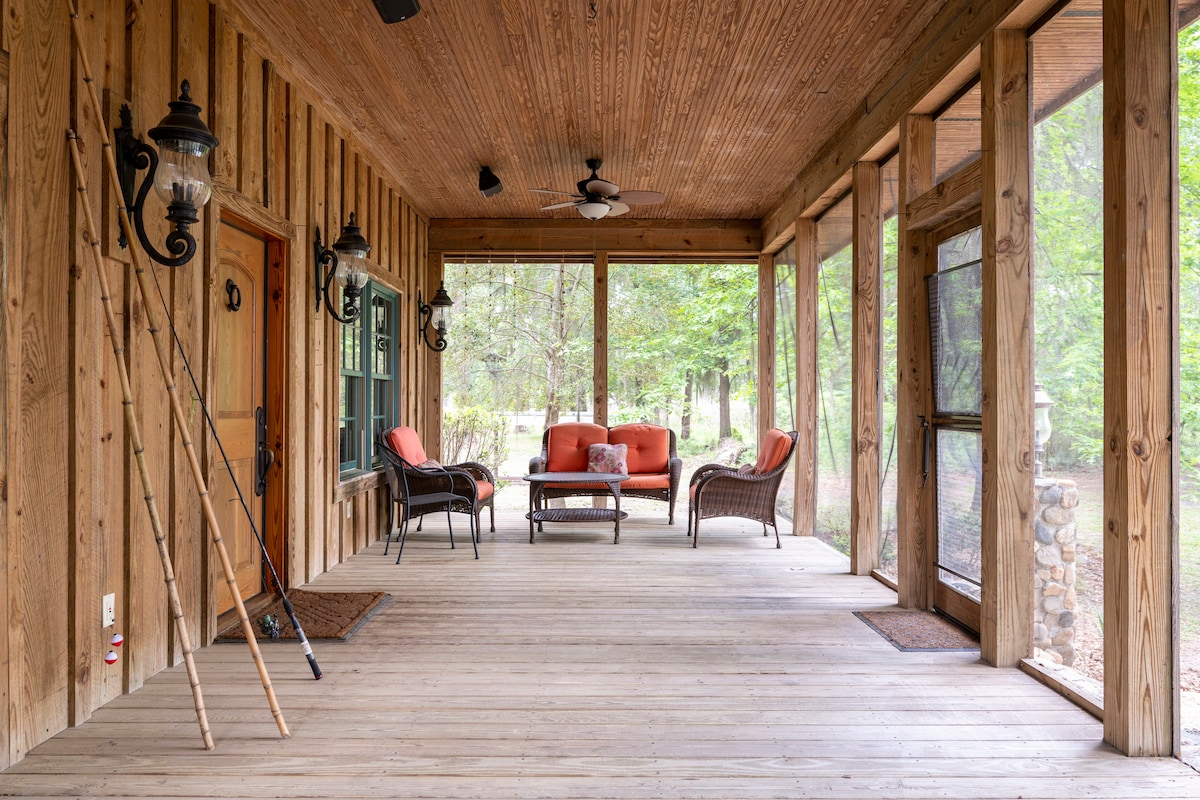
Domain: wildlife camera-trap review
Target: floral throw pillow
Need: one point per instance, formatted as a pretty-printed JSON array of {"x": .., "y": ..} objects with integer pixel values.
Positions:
[{"x": 608, "y": 458}]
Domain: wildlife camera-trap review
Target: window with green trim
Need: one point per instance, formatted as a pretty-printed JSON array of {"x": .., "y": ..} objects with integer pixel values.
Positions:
[{"x": 369, "y": 396}]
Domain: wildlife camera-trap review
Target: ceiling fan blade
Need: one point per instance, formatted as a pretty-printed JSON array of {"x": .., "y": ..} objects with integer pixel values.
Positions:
[
  {"x": 598, "y": 186},
  {"x": 635, "y": 197},
  {"x": 618, "y": 208},
  {"x": 555, "y": 191},
  {"x": 567, "y": 204}
]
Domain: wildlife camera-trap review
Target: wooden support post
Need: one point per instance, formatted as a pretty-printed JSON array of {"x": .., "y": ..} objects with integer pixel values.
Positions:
[
  {"x": 866, "y": 422},
  {"x": 913, "y": 568},
  {"x": 435, "y": 270},
  {"x": 600, "y": 339},
  {"x": 1006, "y": 607},
  {"x": 766, "y": 345},
  {"x": 808, "y": 264},
  {"x": 1141, "y": 390}
]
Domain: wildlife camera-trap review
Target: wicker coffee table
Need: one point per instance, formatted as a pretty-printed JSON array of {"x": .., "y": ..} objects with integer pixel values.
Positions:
[{"x": 537, "y": 515}]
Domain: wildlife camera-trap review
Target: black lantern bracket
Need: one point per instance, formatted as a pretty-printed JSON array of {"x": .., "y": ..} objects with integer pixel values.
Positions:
[
  {"x": 327, "y": 263},
  {"x": 181, "y": 131},
  {"x": 439, "y": 302}
]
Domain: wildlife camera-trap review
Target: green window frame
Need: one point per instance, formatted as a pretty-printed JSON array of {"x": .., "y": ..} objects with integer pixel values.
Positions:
[{"x": 369, "y": 395}]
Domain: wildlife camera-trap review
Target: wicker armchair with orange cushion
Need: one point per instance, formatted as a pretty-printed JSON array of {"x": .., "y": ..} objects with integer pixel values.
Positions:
[
  {"x": 407, "y": 444},
  {"x": 749, "y": 491},
  {"x": 650, "y": 460}
]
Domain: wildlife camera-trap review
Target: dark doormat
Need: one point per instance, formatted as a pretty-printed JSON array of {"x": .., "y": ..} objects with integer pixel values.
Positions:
[
  {"x": 323, "y": 615},
  {"x": 918, "y": 630}
]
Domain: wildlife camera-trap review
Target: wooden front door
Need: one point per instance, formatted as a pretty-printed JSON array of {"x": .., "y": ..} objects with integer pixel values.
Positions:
[{"x": 239, "y": 363}]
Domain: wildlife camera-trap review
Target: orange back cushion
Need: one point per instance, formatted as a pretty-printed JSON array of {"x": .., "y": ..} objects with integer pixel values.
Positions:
[
  {"x": 649, "y": 446},
  {"x": 567, "y": 445},
  {"x": 773, "y": 451},
  {"x": 405, "y": 441}
]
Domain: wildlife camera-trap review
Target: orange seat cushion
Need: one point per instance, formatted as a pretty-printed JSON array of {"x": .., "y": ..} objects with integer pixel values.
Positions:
[
  {"x": 649, "y": 446},
  {"x": 567, "y": 445},
  {"x": 485, "y": 489},
  {"x": 407, "y": 443},
  {"x": 774, "y": 450}
]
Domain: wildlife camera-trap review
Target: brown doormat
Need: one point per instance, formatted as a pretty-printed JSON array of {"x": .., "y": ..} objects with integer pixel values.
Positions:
[
  {"x": 323, "y": 615},
  {"x": 918, "y": 630}
]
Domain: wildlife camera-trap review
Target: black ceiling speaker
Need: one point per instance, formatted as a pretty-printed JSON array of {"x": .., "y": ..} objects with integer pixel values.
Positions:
[
  {"x": 489, "y": 184},
  {"x": 397, "y": 10}
]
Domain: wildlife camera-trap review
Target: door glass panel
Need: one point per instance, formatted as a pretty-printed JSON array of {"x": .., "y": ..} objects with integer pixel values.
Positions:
[
  {"x": 956, "y": 314},
  {"x": 960, "y": 509}
]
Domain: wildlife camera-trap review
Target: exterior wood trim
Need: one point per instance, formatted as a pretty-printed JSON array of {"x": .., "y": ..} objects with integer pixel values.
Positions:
[
  {"x": 808, "y": 264},
  {"x": 600, "y": 339},
  {"x": 766, "y": 345},
  {"x": 913, "y": 566},
  {"x": 1141, "y": 493},
  {"x": 866, "y": 421},
  {"x": 486, "y": 237},
  {"x": 1006, "y": 607},
  {"x": 949, "y": 199}
]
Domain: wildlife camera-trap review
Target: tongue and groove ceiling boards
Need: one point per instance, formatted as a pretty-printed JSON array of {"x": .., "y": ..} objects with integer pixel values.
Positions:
[{"x": 715, "y": 104}]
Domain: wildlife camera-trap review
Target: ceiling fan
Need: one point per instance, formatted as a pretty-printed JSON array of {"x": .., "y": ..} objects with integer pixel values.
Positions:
[{"x": 596, "y": 198}]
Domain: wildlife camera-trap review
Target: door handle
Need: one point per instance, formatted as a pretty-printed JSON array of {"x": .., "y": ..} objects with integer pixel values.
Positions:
[{"x": 264, "y": 455}]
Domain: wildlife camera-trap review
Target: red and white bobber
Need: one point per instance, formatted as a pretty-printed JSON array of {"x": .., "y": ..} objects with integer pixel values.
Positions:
[
  {"x": 110, "y": 657},
  {"x": 117, "y": 640}
]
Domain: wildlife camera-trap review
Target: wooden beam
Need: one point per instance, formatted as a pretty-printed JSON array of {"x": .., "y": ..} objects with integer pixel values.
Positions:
[
  {"x": 1006, "y": 607},
  {"x": 1140, "y": 376},
  {"x": 913, "y": 567},
  {"x": 952, "y": 197},
  {"x": 486, "y": 237},
  {"x": 808, "y": 267},
  {"x": 600, "y": 339},
  {"x": 766, "y": 345},
  {"x": 956, "y": 31},
  {"x": 866, "y": 420}
]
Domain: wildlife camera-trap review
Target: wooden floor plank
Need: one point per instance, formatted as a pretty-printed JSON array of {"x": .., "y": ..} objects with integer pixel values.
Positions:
[{"x": 574, "y": 668}]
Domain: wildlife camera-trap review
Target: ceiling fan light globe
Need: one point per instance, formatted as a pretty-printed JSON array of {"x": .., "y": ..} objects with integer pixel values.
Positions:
[{"x": 594, "y": 209}]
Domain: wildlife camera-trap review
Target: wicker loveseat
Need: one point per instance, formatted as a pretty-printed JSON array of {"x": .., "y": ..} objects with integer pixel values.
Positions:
[{"x": 653, "y": 467}]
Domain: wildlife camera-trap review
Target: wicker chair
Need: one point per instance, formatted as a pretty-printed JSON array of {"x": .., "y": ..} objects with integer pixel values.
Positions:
[
  {"x": 749, "y": 491},
  {"x": 423, "y": 490},
  {"x": 471, "y": 479}
]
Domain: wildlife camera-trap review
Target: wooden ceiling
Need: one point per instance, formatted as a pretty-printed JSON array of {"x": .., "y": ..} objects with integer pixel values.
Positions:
[{"x": 715, "y": 104}]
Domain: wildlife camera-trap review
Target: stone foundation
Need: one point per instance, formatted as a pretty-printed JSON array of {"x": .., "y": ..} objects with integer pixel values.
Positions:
[{"x": 1054, "y": 569}]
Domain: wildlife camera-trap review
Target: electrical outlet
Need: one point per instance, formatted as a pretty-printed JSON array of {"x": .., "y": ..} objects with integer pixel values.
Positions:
[{"x": 108, "y": 611}]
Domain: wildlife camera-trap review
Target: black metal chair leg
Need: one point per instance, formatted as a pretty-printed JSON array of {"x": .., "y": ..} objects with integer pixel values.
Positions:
[
  {"x": 390, "y": 522},
  {"x": 474, "y": 534},
  {"x": 403, "y": 537},
  {"x": 450, "y": 526}
]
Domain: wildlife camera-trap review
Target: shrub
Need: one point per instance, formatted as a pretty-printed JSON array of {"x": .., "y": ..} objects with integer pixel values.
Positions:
[{"x": 475, "y": 434}]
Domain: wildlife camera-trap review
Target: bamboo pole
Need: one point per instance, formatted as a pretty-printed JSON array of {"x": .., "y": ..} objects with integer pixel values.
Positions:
[
  {"x": 169, "y": 381},
  {"x": 135, "y": 441}
]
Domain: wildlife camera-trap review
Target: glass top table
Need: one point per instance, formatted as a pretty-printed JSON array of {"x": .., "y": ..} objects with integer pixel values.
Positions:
[{"x": 537, "y": 514}]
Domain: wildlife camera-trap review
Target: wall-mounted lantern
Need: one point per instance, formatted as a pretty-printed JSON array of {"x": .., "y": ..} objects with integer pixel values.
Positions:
[
  {"x": 347, "y": 261},
  {"x": 1041, "y": 426},
  {"x": 437, "y": 312},
  {"x": 178, "y": 170}
]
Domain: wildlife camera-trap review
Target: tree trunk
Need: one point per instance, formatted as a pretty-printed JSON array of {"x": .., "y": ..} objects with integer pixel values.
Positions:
[
  {"x": 685, "y": 421},
  {"x": 555, "y": 360},
  {"x": 725, "y": 427}
]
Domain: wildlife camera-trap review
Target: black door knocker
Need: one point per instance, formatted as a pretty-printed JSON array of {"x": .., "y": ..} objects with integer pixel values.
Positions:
[{"x": 235, "y": 295}]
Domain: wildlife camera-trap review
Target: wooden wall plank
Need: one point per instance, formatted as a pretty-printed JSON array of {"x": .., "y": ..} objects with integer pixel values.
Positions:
[
  {"x": 189, "y": 542},
  {"x": 1140, "y": 376},
  {"x": 316, "y": 489},
  {"x": 913, "y": 370},
  {"x": 38, "y": 485},
  {"x": 1006, "y": 606},
  {"x": 866, "y": 407},
  {"x": 223, "y": 165},
  {"x": 808, "y": 265},
  {"x": 766, "y": 346},
  {"x": 275, "y": 166},
  {"x": 149, "y": 630},
  {"x": 251, "y": 122},
  {"x": 8, "y": 463},
  {"x": 299, "y": 310}
]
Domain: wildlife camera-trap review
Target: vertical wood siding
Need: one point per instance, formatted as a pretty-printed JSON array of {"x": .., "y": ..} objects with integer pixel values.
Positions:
[{"x": 73, "y": 522}]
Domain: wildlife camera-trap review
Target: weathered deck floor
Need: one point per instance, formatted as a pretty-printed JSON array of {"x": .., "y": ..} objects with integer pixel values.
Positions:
[{"x": 578, "y": 669}]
